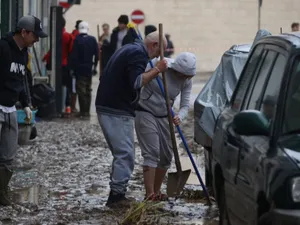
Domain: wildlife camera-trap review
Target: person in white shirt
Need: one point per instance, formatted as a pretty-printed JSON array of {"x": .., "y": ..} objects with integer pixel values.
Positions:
[{"x": 151, "y": 121}]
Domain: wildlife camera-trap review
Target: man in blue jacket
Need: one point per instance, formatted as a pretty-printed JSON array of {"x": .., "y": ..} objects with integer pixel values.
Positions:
[
  {"x": 13, "y": 63},
  {"x": 116, "y": 101},
  {"x": 83, "y": 62}
]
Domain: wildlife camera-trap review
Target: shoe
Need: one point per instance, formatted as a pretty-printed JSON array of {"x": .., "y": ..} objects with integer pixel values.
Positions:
[
  {"x": 151, "y": 197},
  {"x": 161, "y": 197},
  {"x": 116, "y": 200},
  {"x": 68, "y": 110},
  {"x": 73, "y": 103},
  {"x": 5, "y": 176},
  {"x": 157, "y": 197}
]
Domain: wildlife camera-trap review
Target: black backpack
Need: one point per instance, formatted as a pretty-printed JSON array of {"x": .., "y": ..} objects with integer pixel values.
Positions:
[
  {"x": 42, "y": 94},
  {"x": 43, "y": 97}
]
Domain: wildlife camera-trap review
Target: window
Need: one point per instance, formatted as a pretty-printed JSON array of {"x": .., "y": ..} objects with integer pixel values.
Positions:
[
  {"x": 246, "y": 76},
  {"x": 268, "y": 103},
  {"x": 261, "y": 79},
  {"x": 291, "y": 119}
]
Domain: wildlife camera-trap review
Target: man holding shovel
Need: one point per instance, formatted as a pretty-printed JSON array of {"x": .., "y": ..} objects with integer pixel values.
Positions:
[
  {"x": 151, "y": 122},
  {"x": 116, "y": 102}
]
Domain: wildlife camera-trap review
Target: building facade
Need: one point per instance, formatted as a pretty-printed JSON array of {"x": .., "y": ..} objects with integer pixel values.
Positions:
[{"x": 204, "y": 27}]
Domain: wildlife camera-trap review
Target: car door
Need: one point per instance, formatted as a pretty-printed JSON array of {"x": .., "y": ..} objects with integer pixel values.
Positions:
[
  {"x": 225, "y": 147},
  {"x": 260, "y": 96}
]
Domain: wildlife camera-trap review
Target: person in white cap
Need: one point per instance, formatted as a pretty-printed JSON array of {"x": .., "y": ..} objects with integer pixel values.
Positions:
[
  {"x": 83, "y": 63},
  {"x": 151, "y": 122}
]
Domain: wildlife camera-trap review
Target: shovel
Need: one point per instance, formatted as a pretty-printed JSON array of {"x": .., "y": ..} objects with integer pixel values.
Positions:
[{"x": 176, "y": 180}]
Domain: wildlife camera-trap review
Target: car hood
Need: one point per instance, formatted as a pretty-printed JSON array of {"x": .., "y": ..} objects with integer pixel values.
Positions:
[
  {"x": 295, "y": 156},
  {"x": 291, "y": 146}
]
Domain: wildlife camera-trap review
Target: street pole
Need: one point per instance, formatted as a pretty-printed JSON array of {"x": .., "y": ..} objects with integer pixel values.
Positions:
[
  {"x": 259, "y": 13},
  {"x": 56, "y": 56}
]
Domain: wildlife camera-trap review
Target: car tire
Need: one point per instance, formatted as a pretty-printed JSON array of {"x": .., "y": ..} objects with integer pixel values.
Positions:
[
  {"x": 223, "y": 215},
  {"x": 208, "y": 179},
  {"x": 265, "y": 219}
]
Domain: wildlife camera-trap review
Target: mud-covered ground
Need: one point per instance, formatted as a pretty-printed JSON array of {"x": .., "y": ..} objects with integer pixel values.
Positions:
[{"x": 62, "y": 178}]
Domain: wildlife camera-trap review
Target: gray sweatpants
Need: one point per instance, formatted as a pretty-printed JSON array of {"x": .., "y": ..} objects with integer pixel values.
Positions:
[
  {"x": 119, "y": 135},
  {"x": 8, "y": 137},
  {"x": 155, "y": 140}
]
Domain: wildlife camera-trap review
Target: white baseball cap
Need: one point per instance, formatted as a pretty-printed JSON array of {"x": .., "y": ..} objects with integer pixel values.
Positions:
[
  {"x": 83, "y": 27},
  {"x": 184, "y": 63}
]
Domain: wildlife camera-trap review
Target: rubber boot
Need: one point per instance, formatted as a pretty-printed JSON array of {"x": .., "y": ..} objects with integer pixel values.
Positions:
[
  {"x": 73, "y": 103},
  {"x": 5, "y": 176}
]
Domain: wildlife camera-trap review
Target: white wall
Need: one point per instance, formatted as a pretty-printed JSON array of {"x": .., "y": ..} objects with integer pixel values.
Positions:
[{"x": 205, "y": 27}]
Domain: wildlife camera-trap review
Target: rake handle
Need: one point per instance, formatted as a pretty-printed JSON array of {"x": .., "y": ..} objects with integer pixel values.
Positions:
[{"x": 170, "y": 117}]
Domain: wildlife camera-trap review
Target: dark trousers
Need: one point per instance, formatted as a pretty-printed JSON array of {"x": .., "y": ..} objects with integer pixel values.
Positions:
[
  {"x": 67, "y": 82},
  {"x": 84, "y": 91}
]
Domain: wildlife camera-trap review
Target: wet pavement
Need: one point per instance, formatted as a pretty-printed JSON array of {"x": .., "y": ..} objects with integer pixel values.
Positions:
[{"x": 62, "y": 177}]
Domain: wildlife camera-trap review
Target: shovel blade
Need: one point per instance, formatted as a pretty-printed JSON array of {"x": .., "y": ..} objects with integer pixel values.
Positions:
[{"x": 176, "y": 182}]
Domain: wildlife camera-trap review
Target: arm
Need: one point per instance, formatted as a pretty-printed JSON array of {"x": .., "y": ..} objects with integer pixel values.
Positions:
[
  {"x": 96, "y": 53},
  {"x": 73, "y": 57},
  {"x": 23, "y": 95},
  {"x": 185, "y": 100},
  {"x": 46, "y": 58},
  {"x": 136, "y": 69}
]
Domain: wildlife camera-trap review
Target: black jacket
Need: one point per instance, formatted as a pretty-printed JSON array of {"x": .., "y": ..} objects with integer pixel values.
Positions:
[
  {"x": 114, "y": 39},
  {"x": 84, "y": 56},
  {"x": 117, "y": 93},
  {"x": 13, "y": 62}
]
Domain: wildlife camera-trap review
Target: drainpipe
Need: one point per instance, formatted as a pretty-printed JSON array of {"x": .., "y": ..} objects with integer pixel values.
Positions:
[{"x": 56, "y": 56}]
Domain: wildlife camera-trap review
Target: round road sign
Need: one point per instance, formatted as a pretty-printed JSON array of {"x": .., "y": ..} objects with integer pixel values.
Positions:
[{"x": 137, "y": 16}]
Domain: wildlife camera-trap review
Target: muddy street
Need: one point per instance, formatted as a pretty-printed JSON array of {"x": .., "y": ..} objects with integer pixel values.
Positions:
[{"x": 62, "y": 177}]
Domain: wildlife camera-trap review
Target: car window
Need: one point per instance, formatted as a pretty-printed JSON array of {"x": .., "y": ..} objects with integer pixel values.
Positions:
[
  {"x": 246, "y": 77},
  {"x": 268, "y": 102},
  {"x": 291, "y": 118},
  {"x": 251, "y": 84},
  {"x": 261, "y": 78}
]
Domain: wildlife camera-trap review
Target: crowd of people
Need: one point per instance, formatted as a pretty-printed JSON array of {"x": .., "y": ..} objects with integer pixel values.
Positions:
[{"x": 81, "y": 53}]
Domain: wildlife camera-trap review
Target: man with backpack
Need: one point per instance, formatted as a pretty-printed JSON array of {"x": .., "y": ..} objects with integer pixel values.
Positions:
[
  {"x": 67, "y": 44},
  {"x": 13, "y": 61}
]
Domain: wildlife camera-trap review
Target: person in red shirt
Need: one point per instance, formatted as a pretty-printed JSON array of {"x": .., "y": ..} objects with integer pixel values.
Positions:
[
  {"x": 75, "y": 32},
  {"x": 67, "y": 44}
]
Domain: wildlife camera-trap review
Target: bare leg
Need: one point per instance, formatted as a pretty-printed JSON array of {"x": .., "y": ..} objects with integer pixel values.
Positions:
[
  {"x": 149, "y": 178},
  {"x": 160, "y": 174}
]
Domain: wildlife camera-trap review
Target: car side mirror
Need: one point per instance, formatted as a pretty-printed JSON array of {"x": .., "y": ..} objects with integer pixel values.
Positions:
[{"x": 251, "y": 123}]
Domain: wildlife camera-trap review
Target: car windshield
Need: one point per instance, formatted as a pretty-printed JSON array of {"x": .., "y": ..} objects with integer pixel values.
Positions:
[{"x": 291, "y": 120}]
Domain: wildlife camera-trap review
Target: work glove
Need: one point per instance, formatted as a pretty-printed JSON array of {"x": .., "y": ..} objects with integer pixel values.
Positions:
[{"x": 28, "y": 114}]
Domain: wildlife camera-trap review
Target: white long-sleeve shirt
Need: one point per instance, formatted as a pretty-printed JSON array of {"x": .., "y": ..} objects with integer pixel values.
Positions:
[{"x": 152, "y": 100}]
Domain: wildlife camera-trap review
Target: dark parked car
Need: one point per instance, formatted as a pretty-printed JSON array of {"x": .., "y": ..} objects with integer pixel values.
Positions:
[
  {"x": 254, "y": 159},
  {"x": 217, "y": 92}
]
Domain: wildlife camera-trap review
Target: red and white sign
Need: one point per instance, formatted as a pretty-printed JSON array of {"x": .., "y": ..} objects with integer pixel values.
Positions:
[
  {"x": 64, "y": 3},
  {"x": 137, "y": 16}
]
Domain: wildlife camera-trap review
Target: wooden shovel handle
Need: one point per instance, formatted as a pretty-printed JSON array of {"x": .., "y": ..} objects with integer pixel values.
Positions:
[{"x": 172, "y": 132}]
